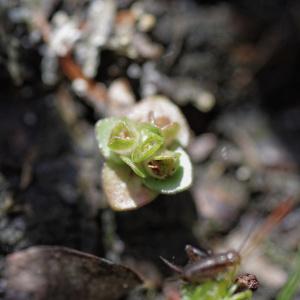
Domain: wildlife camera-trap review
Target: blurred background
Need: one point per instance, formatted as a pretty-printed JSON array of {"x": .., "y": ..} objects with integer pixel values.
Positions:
[{"x": 233, "y": 69}]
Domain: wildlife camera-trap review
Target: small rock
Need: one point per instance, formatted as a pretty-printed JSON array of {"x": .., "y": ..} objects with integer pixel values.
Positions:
[
  {"x": 202, "y": 147},
  {"x": 145, "y": 47},
  {"x": 205, "y": 101},
  {"x": 220, "y": 199},
  {"x": 146, "y": 22},
  {"x": 121, "y": 96}
]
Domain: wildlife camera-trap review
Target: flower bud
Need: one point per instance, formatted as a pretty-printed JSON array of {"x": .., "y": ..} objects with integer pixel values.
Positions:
[{"x": 163, "y": 165}]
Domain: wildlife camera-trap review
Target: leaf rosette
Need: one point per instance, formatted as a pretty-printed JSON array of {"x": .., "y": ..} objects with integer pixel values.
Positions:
[{"x": 144, "y": 157}]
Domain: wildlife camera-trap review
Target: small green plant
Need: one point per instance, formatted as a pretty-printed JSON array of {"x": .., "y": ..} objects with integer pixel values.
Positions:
[
  {"x": 222, "y": 288},
  {"x": 147, "y": 157},
  {"x": 213, "y": 276},
  {"x": 292, "y": 285}
]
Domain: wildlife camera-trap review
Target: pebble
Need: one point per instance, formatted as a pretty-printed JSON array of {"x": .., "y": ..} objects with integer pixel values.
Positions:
[{"x": 202, "y": 147}]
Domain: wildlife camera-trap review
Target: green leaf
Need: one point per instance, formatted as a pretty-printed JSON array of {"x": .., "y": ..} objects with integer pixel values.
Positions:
[
  {"x": 217, "y": 289},
  {"x": 103, "y": 130},
  {"x": 151, "y": 142},
  {"x": 123, "y": 137},
  {"x": 150, "y": 127},
  {"x": 292, "y": 285},
  {"x": 134, "y": 167},
  {"x": 181, "y": 180},
  {"x": 246, "y": 295}
]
